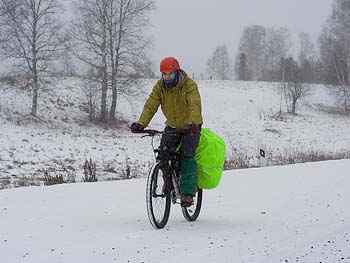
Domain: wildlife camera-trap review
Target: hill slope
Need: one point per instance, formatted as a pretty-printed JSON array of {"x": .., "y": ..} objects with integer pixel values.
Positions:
[{"x": 241, "y": 112}]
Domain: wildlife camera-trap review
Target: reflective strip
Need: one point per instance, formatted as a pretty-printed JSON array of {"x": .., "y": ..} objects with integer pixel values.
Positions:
[{"x": 214, "y": 167}]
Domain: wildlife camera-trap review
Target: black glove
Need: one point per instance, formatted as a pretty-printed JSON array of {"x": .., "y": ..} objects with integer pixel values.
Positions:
[
  {"x": 136, "y": 127},
  {"x": 193, "y": 128}
]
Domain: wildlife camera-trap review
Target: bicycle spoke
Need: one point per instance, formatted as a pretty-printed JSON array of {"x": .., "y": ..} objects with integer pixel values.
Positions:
[
  {"x": 158, "y": 202},
  {"x": 191, "y": 213}
]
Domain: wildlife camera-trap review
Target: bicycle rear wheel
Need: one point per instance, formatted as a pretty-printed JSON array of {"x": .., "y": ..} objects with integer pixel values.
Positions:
[
  {"x": 191, "y": 213},
  {"x": 157, "y": 198}
]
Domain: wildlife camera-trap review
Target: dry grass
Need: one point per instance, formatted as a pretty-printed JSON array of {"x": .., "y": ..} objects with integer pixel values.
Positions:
[
  {"x": 5, "y": 182},
  {"x": 240, "y": 160},
  {"x": 63, "y": 176},
  {"x": 8, "y": 182},
  {"x": 294, "y": 156}
]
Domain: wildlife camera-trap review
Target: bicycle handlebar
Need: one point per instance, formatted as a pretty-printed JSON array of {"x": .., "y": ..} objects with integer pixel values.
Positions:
[{"x": 151, "y": 132}]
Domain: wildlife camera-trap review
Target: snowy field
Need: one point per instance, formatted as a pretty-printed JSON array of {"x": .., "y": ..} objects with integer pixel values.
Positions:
[
  {"x": 296, "y": 213},
  {"x": 238, "y": 111}
]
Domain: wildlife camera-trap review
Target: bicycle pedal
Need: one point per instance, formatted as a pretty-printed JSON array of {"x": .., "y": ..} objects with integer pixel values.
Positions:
[{"x": 187, "y": 204}]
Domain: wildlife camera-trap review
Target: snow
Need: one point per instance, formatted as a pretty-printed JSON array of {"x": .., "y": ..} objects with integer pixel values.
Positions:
[
  {"x": 240, "y": 112},
  {"x": 295, "y": 213}
]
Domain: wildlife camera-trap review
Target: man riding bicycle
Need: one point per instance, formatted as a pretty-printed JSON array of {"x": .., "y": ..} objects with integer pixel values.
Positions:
[{"x": 180, "y": 101}]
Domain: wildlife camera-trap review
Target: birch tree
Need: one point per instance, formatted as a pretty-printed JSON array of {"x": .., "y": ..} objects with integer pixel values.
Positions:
[
  {"x": 335, "y": 48},
  {"x": 263, "y": 49},
  {"x": 252, "y": 43},
  {"x": 278, "y": 43},
  {"x": 31, "y": 36},
  {"x": 108, "y": 35},
  {"x": 306, "y": 57},
  {"x": 88, "y": 42},
  {"x": 219, "y": 65}
]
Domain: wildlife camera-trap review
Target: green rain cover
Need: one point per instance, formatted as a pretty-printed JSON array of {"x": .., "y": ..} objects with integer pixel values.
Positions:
[{"x": 210, "y": 156}]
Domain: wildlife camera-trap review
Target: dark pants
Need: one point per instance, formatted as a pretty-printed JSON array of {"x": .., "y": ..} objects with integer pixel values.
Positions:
[{"x": 189, "y": 143}]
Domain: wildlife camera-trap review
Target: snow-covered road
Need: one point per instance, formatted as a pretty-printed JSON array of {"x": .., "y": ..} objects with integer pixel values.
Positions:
[{"x": 297, "y": 213}]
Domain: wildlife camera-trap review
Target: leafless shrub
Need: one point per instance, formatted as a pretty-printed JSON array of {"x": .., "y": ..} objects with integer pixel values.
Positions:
[
  {"x": 272, "y": 130},
  {"x": 5, "y": 182},
  {"x": 90, "y": 171},
  {"x": 292, "y": 84},
  {"x": 53, "y": 179},
  {"x": 26, "y": 181},
  {"x": 91, "y": 90},
  {"x": 63, "y": 176},
  {"x": 127, "y": 169},
  {"x": 264, "y": 115},
  {"x": 238, "y": 159},
  {"x": 109, "y": 169}
]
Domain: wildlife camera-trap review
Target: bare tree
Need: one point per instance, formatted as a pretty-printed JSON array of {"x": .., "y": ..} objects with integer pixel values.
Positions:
[
  {"x": 278, "y": 43},
  {"x": 335, "y": 48},
  {"x": 292, "y": 85},
  {"x": 68, "y": 66},
  {"x": 108, "y": 36},
  {"x": 307, "y": 50},
  {"x": 88, "y": 42},
  {"x": 31, "y": 35},
  {"x": 264, "y": 48},
  {"x": 219, "y": 66},
  {"x": 147, "y": 69},
  {"x": 127, "y": 43},
  {"x": 242, "y": 71},
  {"x": 252, "y": 43},
  {"x": 327, "y": 53},
  {"x": 306, "y": 57},
  {"x": 91, "y": 93}
]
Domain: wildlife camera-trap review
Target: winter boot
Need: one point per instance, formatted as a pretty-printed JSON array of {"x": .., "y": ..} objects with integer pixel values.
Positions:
[{"x": 187, "y": 200}]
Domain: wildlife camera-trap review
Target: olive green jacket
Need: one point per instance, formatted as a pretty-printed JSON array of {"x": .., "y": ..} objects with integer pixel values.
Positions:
[{"x": 180, "y": 105}]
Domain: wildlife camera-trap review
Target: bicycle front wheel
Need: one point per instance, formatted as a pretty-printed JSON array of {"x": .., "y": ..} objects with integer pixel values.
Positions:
[
  {"x": 157, "y": 197},
  {"x": 191, "y": 213}
]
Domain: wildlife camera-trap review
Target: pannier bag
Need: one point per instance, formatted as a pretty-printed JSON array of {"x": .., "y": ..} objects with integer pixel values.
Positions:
[{"x": 210, "y": 156}]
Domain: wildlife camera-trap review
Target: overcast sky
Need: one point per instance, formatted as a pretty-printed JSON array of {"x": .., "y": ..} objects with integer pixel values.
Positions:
[{"x": 191, "y": 29}]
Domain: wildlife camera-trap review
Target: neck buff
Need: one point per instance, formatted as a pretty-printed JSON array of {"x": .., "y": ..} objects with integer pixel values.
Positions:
[{"x": 171, "y": 83}]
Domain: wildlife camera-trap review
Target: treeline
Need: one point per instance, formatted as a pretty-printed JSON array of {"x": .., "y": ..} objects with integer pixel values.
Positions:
[
  {"x": 105, "y": 39},
  {"x": 263, "y": 51}
]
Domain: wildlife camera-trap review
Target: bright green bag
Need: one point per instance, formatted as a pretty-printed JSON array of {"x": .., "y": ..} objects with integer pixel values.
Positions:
[{"x": 210, "y": 156}]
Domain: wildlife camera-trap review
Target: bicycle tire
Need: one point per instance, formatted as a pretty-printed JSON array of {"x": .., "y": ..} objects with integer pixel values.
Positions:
[
  {"x": 191, "y": 213},
  {"x": 158, "y": 203}
]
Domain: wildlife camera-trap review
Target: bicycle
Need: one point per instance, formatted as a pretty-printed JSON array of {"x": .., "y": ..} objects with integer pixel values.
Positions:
[{"x": 163, "y": 184}]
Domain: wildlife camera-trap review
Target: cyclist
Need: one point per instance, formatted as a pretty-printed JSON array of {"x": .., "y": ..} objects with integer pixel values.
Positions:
[{"x": 180, "y": 101}]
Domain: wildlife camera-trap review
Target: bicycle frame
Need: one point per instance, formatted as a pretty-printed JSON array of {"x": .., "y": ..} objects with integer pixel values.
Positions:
[
  {"x": 163, "y": 183},
  {"x": 169, "y": 160}
]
